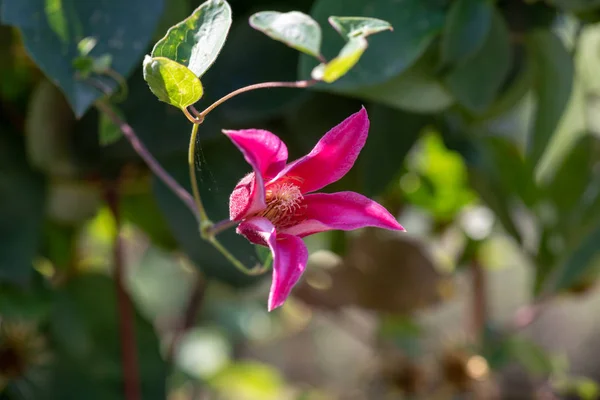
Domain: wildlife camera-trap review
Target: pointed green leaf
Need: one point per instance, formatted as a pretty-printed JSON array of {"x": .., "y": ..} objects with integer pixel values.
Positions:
[
  {"x": 171, "y": 82},
  {"x": 466, "y": 28},
  {"x": 196, "y": 41},
  {"x": 553, "y": 82},
  {"x": 339, "y": 66},
  {"x": 351, "y": 27},
  {"x": 52, "y": 33},
  {"x": 416, "y": 24},
  {"x": 295, "y": 29}
]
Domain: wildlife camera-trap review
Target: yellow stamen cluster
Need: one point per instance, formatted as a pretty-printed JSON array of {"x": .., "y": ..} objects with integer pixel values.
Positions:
[{"x": 284, "y": 201}]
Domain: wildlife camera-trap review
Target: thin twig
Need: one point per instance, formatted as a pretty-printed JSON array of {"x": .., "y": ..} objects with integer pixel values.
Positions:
[
  {"x": 264, "y": 85},
  {"x": 124, "y": 308},
  {"x": 143, "y": 152}
]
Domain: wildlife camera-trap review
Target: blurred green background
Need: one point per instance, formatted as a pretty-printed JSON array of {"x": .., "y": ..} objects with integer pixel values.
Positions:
[{"x": 484, "y": 142}]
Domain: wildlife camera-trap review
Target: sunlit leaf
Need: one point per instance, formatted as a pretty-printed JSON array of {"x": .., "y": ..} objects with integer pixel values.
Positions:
[
  {"x": 351, "y": 27},
  {"x": 172, "y": 82},
  {"x": 340, "y": 65},
  {"x": 415, "y": 24},
  {"x": 196, "y": 41},
  {"x": 293, "y": 28}
]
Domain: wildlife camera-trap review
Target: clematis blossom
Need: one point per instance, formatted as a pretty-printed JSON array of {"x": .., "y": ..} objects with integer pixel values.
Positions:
[{"x": 276, "y": 204}]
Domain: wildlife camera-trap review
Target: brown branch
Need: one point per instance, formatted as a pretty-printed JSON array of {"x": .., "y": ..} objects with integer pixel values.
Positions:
[
  {"x": 124, "y": 307},
  {"x": 148, "y": 158},
  {"x": 479, "y": 301}
]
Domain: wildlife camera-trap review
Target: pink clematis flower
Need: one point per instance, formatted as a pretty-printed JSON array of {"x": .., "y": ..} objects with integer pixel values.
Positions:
[{"x": 275, "y": 204}]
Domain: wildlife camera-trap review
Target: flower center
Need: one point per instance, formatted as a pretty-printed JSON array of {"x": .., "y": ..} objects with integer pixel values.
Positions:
[{"x": 284, "y": 204}]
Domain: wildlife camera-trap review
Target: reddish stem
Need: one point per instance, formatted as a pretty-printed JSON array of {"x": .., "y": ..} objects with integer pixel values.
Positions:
[
  {"x": 124, "y": 308},
  {"x": 150, "y": 161},
  {"x": 479, "y": 310}
]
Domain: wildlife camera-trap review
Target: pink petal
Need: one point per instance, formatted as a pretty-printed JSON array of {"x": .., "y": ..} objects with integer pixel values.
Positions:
[
  {"x": 333, "y": 156},
  {"x": 344, "y": 211},
  {"x": 289, "y": 258},
  {"x": 267, "y": 155},
  {"x": 262, "y": 149}
]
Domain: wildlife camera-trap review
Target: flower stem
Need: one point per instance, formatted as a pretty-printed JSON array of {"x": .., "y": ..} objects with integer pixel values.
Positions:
[
  {"x": 257, "y": 270},
  {"x": 202, "y": 216},
  {"x": 143, "y": 152},
  {"x": 263, "y": 85}
]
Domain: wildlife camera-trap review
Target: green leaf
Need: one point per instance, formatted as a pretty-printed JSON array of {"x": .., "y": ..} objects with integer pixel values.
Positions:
[
  {"x": 354, "y": 30},
  {"x": 172, "y": 82},
  {"x": 351, "y": 27},
  {"x": 52, "y": 37},
  {"x": 437, "y": 180},
  {"x": 530, "y": 355},
  {"x": 295, "y": 29},
  {"x": 340, "y": 65},
  {"x": 467, "y": 26},
  {"x": 196, "y": 41},
  {"x": 553, "y": 83},
  {"x": 22, "y": 207},
  {"x": 415, "y": 22},
  {"x": 108, "y": 132},
  {"x": 476, "y": 82},
  {"x": 415, "y": 90}
]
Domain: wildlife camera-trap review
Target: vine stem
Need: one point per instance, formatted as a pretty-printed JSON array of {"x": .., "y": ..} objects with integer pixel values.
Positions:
[
  {"x": 263, "y": 85},
  {"x": 124, "y": 308},
  {"x": 202, "y": 215},
  {"x": 143, "y": 152}
]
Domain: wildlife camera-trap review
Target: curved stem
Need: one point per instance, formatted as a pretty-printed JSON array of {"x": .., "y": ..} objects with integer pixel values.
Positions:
[
  {"x": 143, "y": 152},
  {"x": 190, "y": 117},
  {"x": 258, "y": 270},
  {"x": 203, "y": 217},
  {"x": 264, "y": 85}
]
